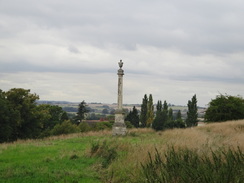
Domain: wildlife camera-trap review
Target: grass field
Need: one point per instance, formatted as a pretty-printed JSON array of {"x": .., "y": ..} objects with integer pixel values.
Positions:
[{"x": 100, "y": 157}]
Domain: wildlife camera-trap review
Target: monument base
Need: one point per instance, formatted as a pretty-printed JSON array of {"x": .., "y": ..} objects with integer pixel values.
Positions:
[
  {"x": 119, "y": 127},
  {"x": 119, "y": 130}
]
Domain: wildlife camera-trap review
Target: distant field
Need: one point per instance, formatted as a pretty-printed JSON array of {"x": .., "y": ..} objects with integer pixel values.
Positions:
[
  {"x": 98, "y": 108},
  {"x": 101, "y": 157}
]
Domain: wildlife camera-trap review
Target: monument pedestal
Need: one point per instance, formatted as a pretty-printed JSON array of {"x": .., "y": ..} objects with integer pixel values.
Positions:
[{"x": 119, "y": 127}]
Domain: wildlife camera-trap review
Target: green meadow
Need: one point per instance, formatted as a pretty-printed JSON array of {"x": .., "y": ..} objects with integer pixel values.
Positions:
[
  {"x": 210, "y": 153},
  {"x": 58, "y": 160}
]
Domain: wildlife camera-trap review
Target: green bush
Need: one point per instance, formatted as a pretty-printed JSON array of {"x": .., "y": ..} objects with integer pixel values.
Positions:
[
  {"x": 84, "y": 127},
  {"x": 65, "y": 128},
  {"x": 225, "y": 107},
  {"x": 186, "y": 166},
  {"x": 103, "y": 126},
  {"x": 128, "y": 124},
  {"x": 175, "y": 124},
  {"x": 45, "y": 133}
]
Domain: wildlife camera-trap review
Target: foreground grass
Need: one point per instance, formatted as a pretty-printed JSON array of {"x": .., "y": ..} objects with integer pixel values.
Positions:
[
  {"x": 58, "y": 160},
  {"x": 99, "y": 157}
]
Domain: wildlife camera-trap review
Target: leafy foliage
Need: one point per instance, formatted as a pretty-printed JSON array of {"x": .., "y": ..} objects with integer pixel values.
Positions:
[
  {"x": 82, "y": 111},
  {"x": 143, "y": 116},
  {"x": 8, "y": 118},
  {"x": 102, "y": 126},
  {"x": 164, "y": 118},
  {"x": 225, "y": 107},
  {"x": 65, "y": 128},
  {"x": 161, "y": 116},
  {"x": 133, "y": 117},
  {"x": 27, "y": 116},
  {"x": 150, "y": 111},
  {"x": 84, "y": 127},
  {"x": 21, "y": 117},
  {"x": 191, "y": 119}
]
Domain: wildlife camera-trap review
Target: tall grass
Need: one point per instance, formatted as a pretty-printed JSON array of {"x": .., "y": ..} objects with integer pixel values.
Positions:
[
  {"x": 186, "y": 166},
  {"x": 203, "y": 141}
]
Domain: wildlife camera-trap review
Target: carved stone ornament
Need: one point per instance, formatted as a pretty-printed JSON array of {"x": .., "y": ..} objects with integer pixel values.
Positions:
[{"x": 120, "y": 64}]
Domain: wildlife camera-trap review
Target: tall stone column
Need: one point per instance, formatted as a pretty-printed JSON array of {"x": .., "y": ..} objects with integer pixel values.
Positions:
[{"x": 119, "y": 127}]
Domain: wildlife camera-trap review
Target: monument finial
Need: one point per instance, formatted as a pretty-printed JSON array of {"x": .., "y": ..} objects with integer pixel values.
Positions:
[{"x": 120, "y": 64}]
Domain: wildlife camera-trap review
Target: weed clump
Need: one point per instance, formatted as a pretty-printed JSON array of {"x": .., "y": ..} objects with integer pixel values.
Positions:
[
  {"x": 74, "y": 156},
  {"x": 104, "y": 150},
  {"x": 187, "y": 166}
]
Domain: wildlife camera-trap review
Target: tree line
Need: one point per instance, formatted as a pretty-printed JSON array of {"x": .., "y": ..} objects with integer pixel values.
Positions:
[
  {"x": 22, "y": 118},
  {"x": 162, "y": 117},
  {"x": 220, "y": 109}
]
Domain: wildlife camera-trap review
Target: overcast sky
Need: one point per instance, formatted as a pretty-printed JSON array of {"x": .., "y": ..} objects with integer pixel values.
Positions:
[{"x": 69, "y": 50}]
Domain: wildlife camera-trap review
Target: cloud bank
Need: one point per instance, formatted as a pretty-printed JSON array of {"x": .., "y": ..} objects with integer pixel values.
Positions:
[{"x": 68, "y": 50}]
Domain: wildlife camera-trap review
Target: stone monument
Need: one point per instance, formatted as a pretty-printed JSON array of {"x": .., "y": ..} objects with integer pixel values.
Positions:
[{"x": 119, "y": 127}]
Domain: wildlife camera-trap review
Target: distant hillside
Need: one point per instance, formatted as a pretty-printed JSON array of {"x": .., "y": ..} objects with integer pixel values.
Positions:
[{"x": 98, "y": 108}]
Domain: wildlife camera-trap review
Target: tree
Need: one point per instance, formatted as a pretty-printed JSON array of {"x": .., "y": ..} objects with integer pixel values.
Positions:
[
  {"x": 178, "y": 122},
  {"x": 8, "y": 118},
  {"x": 93, "y": 116},
  {"x": 165, "y": 107},
  {"x": 150, "y": 111},
  {"x": 161, "y": 118},
  {"x": 165, "y": 114},
  {"x": 159, "y": 106},
  {"x": 64, "y": 116},
  {"x": 105, "y": 111},
  {"x": 158, "y": 122},
  {"x": 82, "y": 111},
  {"x": 112, "y": 111},
  {"x": 178, "y": 116},
  {"x": 170, "y": 115},
  {"x": 133, "y": 117},
  {"x": 143, "y": 116},
  {"x": 27, "y": 118},
  {"x": 191, "y": 119},
  {"x": 164, "y": 118},
  {"x": 225, "y": 107},
  {"x": 49, "y": 116}
]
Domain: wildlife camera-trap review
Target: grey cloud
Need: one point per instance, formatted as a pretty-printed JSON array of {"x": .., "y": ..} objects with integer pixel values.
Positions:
[
  {"x": 73, "y": 49},
  {"x": 203, "y": 27},
  {"x": 23, "y": 66}
]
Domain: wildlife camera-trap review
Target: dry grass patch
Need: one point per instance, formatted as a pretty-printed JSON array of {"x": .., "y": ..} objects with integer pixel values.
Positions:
[
  {"x": 226, "y": 134},
  {"x": 202, "y": 140}
]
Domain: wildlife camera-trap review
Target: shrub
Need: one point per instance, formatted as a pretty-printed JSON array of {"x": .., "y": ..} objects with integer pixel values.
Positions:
[
  {"x": 84, "y": 127},
  {"x": 103, "y": 126},
  {"x": 65, "y": 128},
  {"x": 175, "y": 124},
  {"x": 225, "y": 107}
]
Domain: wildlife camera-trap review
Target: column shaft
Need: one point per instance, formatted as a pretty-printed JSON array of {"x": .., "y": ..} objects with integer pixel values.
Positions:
[{"x": 120, "y": 92}]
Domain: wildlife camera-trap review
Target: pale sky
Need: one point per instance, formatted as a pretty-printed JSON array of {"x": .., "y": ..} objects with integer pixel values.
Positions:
[{"x": 69, "y": 50}]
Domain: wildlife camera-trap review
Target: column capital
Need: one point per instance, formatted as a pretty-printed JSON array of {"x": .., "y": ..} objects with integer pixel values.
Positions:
[{"x": 120, "y": 72}]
